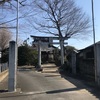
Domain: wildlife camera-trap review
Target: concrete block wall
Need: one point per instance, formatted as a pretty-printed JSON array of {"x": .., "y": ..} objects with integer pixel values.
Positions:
[{"x": 98, "y": 64}]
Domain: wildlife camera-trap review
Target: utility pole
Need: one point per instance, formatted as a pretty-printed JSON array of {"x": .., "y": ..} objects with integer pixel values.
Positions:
[
  {"x": 95, "y": 54},
  {"x": 17, "y": 22}
]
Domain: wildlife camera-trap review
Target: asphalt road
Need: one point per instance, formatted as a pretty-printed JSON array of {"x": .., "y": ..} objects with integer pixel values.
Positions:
[{"x": 49, "y": 85}]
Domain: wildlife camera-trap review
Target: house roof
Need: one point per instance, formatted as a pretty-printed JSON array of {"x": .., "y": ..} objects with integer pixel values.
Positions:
[{"x": 90, "y": 46}]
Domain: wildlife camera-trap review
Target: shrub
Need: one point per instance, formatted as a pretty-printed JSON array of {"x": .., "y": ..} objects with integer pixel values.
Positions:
[{"x": 27, "y": 56}]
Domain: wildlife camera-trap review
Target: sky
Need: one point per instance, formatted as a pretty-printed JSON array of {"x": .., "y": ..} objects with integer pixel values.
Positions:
[
  {"x": 86, "y": 6},
  {"x": 78, "y": 43}
]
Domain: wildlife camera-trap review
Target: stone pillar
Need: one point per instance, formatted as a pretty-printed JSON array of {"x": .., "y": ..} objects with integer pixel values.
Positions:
[
  {"x": 73, "y": 62},
  {"x": 12, "y": 66},
  {"x": 39, "y": 54},
  {"x": 97, "y": 67}
]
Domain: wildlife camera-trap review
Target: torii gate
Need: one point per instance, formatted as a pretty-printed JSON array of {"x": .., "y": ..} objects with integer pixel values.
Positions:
[{"x": 40, "y": 40}]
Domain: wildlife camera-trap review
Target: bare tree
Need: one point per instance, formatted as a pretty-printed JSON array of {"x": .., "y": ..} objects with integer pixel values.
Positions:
[
  {"x": 21, "y": 2},
  {"x": 9, "y": 7},
  {"x": 61, "y": 18},
  {"x": 3, "y": 1},
  {"x": 5, "y": 37}
]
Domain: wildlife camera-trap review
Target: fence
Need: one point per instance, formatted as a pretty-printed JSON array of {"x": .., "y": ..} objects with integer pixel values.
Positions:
[
  {"x": 85, "y": 67},
  {"x": 3, "y": 66}
]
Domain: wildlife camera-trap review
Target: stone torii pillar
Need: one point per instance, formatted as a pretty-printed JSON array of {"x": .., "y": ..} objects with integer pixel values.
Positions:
[
  {"x": 39, "y": 56},
  {"x": 12, "y": 66}
]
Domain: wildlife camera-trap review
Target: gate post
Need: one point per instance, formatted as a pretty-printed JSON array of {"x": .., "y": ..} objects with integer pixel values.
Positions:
[
  {"x": 73, "y": 62},
  {"x": 12, "y": 66},
  {"x": 39, "y": 56},
  {"x": 62, "y": 51}
]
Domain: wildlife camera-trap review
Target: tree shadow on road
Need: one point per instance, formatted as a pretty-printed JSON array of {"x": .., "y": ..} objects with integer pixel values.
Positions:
[{"x": 81, "y": 83}]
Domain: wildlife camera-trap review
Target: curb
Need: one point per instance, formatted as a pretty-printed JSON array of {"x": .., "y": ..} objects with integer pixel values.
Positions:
[
  {"x": 10, "y": 94},
  {"x": 19, "y": 93}
]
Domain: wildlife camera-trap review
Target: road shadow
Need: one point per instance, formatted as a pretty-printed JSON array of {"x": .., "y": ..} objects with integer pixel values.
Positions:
[
  {"x": 81, "y": 83},
  {"x": 52, "y": 75},
  {"x": 3, "y": 91},
  {"x": 63, "y": 90}
]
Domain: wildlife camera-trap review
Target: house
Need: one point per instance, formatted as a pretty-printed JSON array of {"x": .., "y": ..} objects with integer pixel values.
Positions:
[{"x": 87, "y": 62}]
